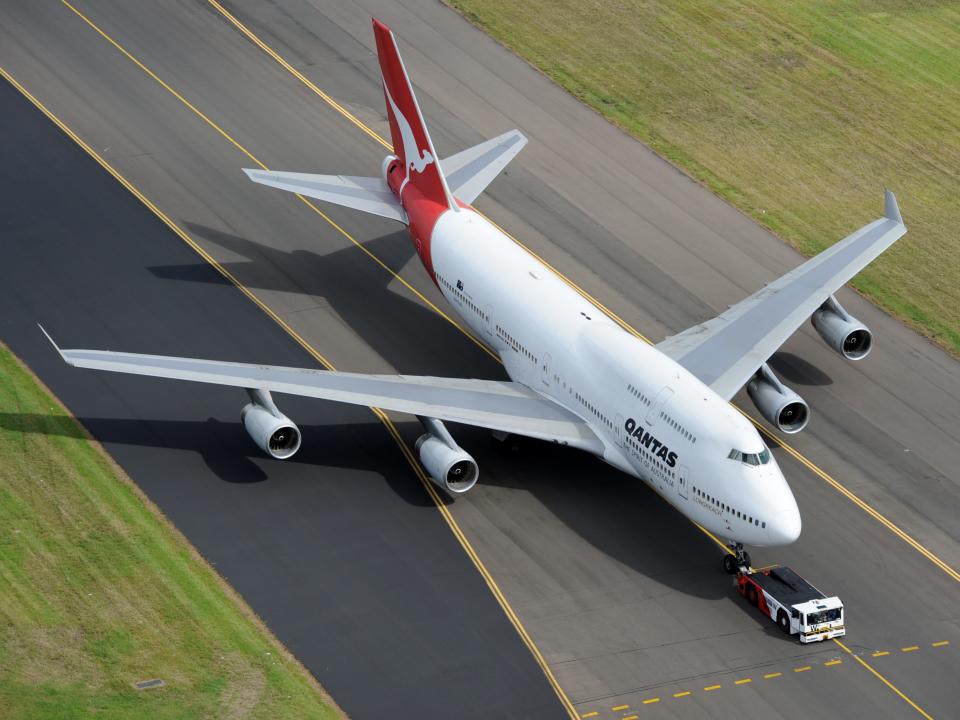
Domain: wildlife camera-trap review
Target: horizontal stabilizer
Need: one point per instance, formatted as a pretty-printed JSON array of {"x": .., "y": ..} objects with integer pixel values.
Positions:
[
  {"x": 470, "y": 171},
  {"x": 367, "y": 194}
]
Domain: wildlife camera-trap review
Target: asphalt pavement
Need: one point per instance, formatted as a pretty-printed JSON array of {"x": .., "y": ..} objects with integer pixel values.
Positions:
[{"x": 621, "y": 595}]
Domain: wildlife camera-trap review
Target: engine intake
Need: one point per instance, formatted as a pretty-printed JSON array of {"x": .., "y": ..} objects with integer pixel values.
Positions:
[
  {"x": 780, "y": 405},
  {"x": 449, "y": 466},
  {"x": 270, "y": 429},
  {"x": 841, "y": 331}
]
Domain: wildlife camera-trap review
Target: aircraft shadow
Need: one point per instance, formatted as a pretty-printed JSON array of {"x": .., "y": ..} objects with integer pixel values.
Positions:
[
  {"x": 617, "y": 514},
  {"x": 795, "y": 370},
  {"x": 230, "y": 454},
  {"x": 409, "y": 336}
]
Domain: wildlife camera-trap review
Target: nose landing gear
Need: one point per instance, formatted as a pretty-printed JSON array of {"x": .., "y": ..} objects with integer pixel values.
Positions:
[{"x": 736, "y": 559}]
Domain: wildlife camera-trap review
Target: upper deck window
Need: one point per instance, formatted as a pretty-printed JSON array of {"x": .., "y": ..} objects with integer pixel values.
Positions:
[{"x": 761, "y": 458}]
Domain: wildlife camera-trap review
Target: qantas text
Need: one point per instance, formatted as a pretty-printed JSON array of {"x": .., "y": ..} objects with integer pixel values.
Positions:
[{"x": 650, "y": 442}]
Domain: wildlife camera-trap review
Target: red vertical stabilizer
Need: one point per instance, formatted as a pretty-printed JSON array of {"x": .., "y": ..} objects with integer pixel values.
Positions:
[{"x": 411, "y": 141}]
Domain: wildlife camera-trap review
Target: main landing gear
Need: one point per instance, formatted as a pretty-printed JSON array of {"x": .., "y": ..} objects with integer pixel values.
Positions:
[{"x": 737, "y": 558}]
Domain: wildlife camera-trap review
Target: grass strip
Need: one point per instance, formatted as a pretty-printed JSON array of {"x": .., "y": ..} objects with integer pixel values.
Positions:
[
  {"x": 98, "y": 591},
  {"x": 798, "y": 113}
]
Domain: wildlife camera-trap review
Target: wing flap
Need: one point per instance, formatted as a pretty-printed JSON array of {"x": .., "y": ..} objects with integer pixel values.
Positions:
[
  {"x": 367, "y": 194},
  {"x": 504, "y": 406}
]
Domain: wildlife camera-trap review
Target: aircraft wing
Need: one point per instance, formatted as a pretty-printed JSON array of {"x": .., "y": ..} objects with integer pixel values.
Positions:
[
  {"x": 726, "y": 351},
  {"x": 470, "y": 171},
  {"x": 504, "y": 406},
  {"x": 367, "y": 194}
]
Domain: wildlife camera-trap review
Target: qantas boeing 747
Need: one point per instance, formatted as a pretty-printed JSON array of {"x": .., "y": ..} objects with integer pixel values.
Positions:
[{"x": 659, "y": 413}]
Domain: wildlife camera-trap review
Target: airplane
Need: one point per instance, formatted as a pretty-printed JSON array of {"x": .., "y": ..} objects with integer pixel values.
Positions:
[{"x": 659, "y": 413}]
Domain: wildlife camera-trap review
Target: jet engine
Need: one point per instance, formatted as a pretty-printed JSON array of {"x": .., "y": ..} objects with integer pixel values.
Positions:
[
  {"x": 841, "y": 331},
  {"x": 270, "y": 429},
  {"x": 780, "y": 405},
  {"x": 449, "y": 466}
]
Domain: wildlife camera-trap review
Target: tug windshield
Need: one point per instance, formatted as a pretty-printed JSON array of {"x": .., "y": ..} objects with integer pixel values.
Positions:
[{"x": 824, "y": 616}]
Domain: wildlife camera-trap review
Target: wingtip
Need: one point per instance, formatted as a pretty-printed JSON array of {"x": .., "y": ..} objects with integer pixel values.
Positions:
[
  {"x": 55, "y": 346},
  {"x": 890, "y": 207}
]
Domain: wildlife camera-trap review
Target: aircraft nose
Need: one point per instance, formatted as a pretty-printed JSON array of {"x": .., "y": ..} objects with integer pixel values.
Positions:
[{"x": 785, "y": 527}]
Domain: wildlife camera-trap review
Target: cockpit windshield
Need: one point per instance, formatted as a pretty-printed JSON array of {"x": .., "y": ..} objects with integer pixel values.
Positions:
[{"x": 761, "y": 458}]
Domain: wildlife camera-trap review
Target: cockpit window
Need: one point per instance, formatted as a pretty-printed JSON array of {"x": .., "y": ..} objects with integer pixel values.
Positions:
[{"x": 761, "y": 458}]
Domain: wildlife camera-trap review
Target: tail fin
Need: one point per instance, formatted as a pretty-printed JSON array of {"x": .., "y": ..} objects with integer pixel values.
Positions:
[{"x": 411, "y": 141}]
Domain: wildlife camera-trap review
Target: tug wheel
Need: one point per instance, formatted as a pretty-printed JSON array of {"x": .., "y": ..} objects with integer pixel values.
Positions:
[
  {"x": 783, "y": 621},
  {"x": 730, "y": 564},
  {"x": 751, "y": 594}
]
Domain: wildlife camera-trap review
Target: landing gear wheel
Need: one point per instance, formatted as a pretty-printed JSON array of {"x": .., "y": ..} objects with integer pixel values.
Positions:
[
  {"x": 751, "y": 594},
  {"x": 737, "y": 559},
  {"x": 783, "y": 621}
]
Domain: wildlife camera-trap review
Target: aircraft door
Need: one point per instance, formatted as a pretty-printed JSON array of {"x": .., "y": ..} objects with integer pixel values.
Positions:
[
  {"x": 683, "y": 482},
  {"x": 621, "y": 436},
  {"x": 488, "y": 326},
  {"x": 545, "y": 369},
  {"x": 663, "y": 397}
]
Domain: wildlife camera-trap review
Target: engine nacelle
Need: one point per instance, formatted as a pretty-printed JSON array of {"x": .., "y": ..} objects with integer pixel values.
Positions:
[
  {"x": 448, "y": 464},
  {"x": 780, "y": 405},
  {"x": 841, "y": 331},
  {"x": 270, "y": 429}
]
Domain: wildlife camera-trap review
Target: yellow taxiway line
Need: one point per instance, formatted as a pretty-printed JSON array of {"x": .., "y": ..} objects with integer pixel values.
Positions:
[
  {"x": 387, "y": 422},
  {"x": 882, "y": 679}
]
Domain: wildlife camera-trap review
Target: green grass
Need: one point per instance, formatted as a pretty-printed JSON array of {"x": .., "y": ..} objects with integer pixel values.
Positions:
[
  {"x": 98, "y": 591},
  {"x": 798, "y": 113}
]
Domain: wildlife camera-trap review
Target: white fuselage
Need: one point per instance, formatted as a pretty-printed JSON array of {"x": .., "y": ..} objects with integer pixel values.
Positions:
[{"x": 654, "y": 419}]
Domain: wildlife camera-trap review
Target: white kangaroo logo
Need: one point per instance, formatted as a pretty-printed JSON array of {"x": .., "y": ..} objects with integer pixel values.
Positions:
[{"x": 410, "y": 150}]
